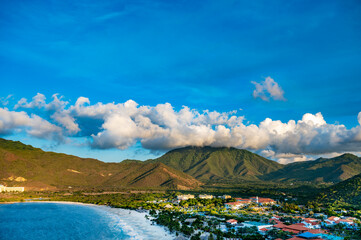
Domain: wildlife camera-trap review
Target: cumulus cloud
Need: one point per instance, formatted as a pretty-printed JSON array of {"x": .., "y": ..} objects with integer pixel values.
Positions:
[
  {"x": 161, "y": 127},
  {"x": 268, "y": 89},
  {"x": 55, "y": 108},
  {"x": 34, "y": 125}
]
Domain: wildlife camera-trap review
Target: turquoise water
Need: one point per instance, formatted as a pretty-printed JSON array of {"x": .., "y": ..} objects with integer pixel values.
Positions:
[{"x": 52, "y": 221}]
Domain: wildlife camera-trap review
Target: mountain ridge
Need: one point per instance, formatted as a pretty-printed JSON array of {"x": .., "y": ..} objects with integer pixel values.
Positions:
[
  {"x": 330, "y": 170},
  {"x": 37, "y": 169},
  {"x": 182, "y": 168}
]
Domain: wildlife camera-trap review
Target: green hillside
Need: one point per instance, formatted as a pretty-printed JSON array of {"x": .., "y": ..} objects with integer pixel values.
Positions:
[
  {"x": 332, "y": 170},
  {"x": 223, "y": 164},
  {"x": 184, "y": 168},
  {"x": 24, "y": 165},
  {"x": 344, "y": 193}
]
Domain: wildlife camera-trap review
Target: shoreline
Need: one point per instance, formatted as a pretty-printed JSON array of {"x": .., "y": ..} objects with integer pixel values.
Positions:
[
  {"x": 136, "y": 218},
  {"x": 64, "y": 202}
]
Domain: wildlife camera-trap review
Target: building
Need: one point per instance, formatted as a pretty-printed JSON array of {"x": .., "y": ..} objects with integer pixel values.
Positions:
[
  {"x": 258, "y": 225},
  {"x": 226, "y": 197},
  {"x": 305, "y": 236},
  {"x": 311, "y": 223},
  {"x": 233, "y": 205},
  {"x": 346, "y": 222},
  {"x": 185, "y": 197},
  {"x": 232, "y": 221},
  {"x": 331, "y": 221},
  {"x": 296, "y": 228},
  {"x": 205, "y": 196},
  {"x": 257, "y": 200},
  {"x": 263, "y": 201},
  {"x": 11, "y": 189}
]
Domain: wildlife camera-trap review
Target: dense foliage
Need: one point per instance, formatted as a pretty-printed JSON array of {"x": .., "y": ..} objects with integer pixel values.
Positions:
[{"x": 347, "y": 193}]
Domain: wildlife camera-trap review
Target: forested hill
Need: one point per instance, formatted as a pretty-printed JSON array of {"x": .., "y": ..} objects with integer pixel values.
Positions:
[
  {"x": 329, "y": 170},
  {"x": 219, "y": 164},
  {"x": 344, "y": 193}
]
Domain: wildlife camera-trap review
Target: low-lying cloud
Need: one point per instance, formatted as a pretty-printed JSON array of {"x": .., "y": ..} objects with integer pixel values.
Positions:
[{"x": 161, "y": 127}]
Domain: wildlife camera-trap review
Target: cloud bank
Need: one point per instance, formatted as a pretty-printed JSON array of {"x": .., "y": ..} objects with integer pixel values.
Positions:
[{"x": 161, "y": 127}]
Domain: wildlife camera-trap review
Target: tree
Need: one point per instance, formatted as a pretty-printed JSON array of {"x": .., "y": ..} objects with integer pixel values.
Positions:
[{"x": 196, "y": 236}]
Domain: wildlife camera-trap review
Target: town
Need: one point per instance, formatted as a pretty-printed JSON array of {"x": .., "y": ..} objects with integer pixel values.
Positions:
[
  {"x": 206, "y": 216},
  {"x": 224, "y": 217}
]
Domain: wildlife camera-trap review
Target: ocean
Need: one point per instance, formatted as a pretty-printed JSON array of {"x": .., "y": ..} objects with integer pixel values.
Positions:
[{"x": 52, "y": 221}]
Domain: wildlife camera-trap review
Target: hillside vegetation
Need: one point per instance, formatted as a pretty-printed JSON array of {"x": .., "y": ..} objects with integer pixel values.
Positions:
[
  {"x": 219, "y": 164},
  {"x": 24, "y": 165},
  {"x": 328, "y": 170},
  {"x": 183, "y": 168},
  {"x": 344, "y": 193}
]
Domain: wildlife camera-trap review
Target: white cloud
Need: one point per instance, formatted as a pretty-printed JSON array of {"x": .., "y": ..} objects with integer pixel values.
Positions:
[
  {"x": 67, "y": 121},
  {"x": 34, "y": 125},
  {"x": 284, "y": 158},
  {"x": 5, "y": 100},
  {"x": 121, "y": 125},
  {"x": 268, "y": 89},
  {"x": 37, "y": 102}
]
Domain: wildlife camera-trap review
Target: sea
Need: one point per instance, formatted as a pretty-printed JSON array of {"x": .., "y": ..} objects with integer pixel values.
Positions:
[{"x": 53, "y": 221}]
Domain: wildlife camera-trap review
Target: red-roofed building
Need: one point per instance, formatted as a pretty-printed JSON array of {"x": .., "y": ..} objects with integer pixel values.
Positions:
[
  {"x": 263, "y": 201},
  {"x": 232, "y": 221},
  {"x": 316, "y": 231},
  {"x": 294, "y": 228},
  {"x": 345, "y": 222},
  {"x": 331, "y": 220},
  {"x": 279, "y": 225},
  {"x": 311, "y": 223}
]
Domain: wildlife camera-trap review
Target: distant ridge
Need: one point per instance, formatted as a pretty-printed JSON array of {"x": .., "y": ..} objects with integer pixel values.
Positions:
[
  {"x": 219, "y": 164},
  {"x": 231, "y": 165},
  {"x": 329, "y": 170},
  {"x": 24, "y": 165}
]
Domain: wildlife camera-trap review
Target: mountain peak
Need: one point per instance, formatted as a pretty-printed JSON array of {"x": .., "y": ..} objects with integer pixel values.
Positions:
[
  {"x": 218, "y": 163},
  {"x": 348, "y": 155}
]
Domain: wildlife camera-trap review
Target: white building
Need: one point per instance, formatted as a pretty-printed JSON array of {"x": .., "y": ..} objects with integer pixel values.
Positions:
[
  {"x": 205, "y": 196},
  {"x": 185, "y": 197},
  {"x": 233, "y": 205},
  {"x": 226, "y": 197},
  {"x": 11, "y": 189},
  {"x": 256, "y": 224}
]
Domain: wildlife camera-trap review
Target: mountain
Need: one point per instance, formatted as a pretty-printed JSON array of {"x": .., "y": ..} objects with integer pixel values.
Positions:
[
  {"x": 183, "y": 168},
  {"x": 344, "y": 193},
  {"x": 328, "y": 170},
  {"x": 24, "y": 165},
  {"x": 229, "y": 165},
  {"x": 211, "y": 164}
]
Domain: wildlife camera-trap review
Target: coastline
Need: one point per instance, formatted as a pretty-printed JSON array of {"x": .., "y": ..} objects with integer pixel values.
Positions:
[{"x": 130, "y": 221}]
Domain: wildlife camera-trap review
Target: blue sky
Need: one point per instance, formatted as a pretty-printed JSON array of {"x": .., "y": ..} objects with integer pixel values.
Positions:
[{"x": 203, "y": 55}]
